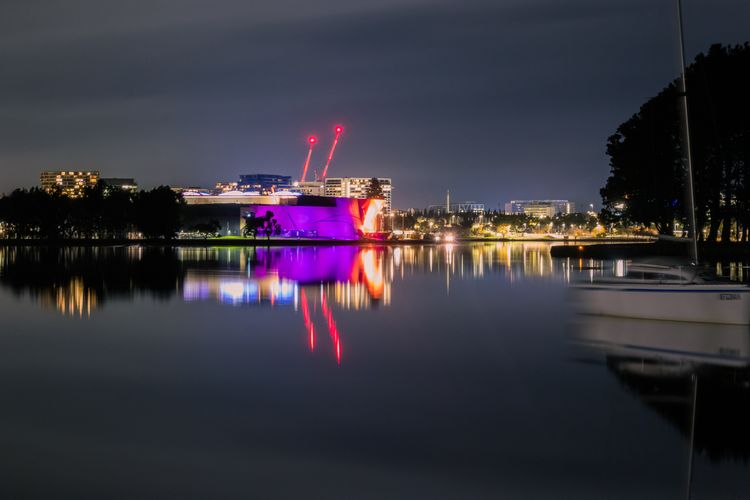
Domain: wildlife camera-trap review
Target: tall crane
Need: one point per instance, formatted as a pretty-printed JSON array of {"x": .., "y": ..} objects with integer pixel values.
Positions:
[
  {"x": 338, "y": 130},
  {"x": 311, "y": 140}
]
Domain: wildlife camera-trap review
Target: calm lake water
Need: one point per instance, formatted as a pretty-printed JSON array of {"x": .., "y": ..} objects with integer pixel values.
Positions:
[{"x": 457, "y": 371}]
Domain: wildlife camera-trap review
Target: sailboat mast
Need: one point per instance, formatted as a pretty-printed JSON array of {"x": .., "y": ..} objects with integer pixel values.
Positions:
[{"x": 688, "y": 155}]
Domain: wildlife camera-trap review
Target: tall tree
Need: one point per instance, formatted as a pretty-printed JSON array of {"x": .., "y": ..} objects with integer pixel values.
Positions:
[
  {"x": 157, "y": 212},
  {"x": 375, "y": 189},
  {"x": 646, "y": 182}
]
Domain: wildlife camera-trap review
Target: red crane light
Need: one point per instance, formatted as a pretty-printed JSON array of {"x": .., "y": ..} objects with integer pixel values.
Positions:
[
  {"x": 338, "y": 129},
  {"x": 311, "y": 140}
]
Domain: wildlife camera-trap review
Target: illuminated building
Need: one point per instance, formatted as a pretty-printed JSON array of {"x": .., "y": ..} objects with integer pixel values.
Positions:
[
  {"x": 193, "y": 197},
  {"x": 126, "y": 184},
  {"x": 297, "y": 216},
  {"x": 265, "y": 183},
  {"x": 190, "y": 190},
  {"x": 321, "y": 217},
  {"x": 463, "y": 207},
  {"x": 223, "y": 187},
  {"x": 70, "y": 183},
  {"x": 310, "y": 188},
  {"x": 356, "y": 187},
  {"x": 539, "y": 208}
]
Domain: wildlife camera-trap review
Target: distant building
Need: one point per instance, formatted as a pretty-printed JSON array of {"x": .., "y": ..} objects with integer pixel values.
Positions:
[
  {"x": 187, "y": 190},
  {"x": 265, "y": 183},
  {"x": 70, "y": 183},
  {"x": 223, "y": 187},
  {"x": 356, "y": 187},
  {"x": 539, "y": 208},
  {"x": 464, "y": 207},
  {"x": 310, "y": 188},
  {"x": 126, "y": 184}
]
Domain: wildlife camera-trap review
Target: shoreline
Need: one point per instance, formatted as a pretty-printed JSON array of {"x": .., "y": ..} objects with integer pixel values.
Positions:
[
  {"x": 717, "y": 251},
  {"x": 238, "y": 242},
  {"x": 588, "y": 248}
]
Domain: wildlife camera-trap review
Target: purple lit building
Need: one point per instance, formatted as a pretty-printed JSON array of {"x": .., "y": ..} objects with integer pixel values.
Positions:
[{"x": 286, "y": 215}]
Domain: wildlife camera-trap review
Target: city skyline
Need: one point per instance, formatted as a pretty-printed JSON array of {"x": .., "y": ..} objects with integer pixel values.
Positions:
[{"x": 457, "y": 96}]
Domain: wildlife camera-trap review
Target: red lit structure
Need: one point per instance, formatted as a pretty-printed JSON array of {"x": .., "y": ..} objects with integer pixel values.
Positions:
[
  {"x": 311, "y": 140},
  {"x": 338, "y": 130}
]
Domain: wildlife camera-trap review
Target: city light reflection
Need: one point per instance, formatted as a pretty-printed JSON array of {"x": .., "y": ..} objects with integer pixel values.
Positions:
[{"x": 78, "y": 281}]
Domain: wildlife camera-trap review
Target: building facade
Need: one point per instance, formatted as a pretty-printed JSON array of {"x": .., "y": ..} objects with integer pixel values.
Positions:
[
  {"x": 295, "y": 216},
  {"x": 265, "y": 183},
  {"x": 69, "y": 183},
  {"x": 356, "y": 187},
  {"x": 225, "y": 187},
  {"x": 463, "y": 207},
  {"x": 539, "y": 208},
  {"x": 310, "y": 188}
]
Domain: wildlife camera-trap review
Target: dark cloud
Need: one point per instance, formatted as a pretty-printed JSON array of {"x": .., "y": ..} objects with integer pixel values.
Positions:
[{"x": 492, "y": 100}]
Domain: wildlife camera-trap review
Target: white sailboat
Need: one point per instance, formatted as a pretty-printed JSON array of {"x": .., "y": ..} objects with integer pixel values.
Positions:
[
  {"x": 667, "y": 292},
  {"x": 670, "y": 292}
]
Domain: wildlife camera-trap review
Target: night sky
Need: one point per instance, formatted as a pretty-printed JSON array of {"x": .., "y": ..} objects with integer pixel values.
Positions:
[{"x": 491, "y": 99}]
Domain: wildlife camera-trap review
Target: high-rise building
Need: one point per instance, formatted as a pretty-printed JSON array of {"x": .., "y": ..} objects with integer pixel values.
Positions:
[
  {"x": 70, "y": 183},
  {"x": 539, "y": 208},
  {"x": 357, "y": 187},
  {"x": 265, "y": 183}
]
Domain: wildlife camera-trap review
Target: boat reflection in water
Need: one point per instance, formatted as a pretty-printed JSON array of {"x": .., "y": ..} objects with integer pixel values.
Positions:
[{"x": 696, "y": 376}]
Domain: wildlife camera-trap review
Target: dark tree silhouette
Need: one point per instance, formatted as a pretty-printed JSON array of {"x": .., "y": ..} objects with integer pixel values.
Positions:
[
  {"x": 98, "y": 213},
  {"x": 157, "y": 212},
  {"x": 255, "y": 225},
  {"x": 374, "y": 189},
  {"x": 646, "y": 183},
  {"x": 206, "y": 229}
]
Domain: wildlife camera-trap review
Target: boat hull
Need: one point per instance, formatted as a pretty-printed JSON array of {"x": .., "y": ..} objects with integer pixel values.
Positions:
[{"x": 726, "y": 304}]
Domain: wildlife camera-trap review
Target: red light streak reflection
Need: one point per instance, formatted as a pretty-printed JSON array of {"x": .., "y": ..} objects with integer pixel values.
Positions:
[
  {"x": 333, "y": 331},
  {"x": 308, "y": 322}
]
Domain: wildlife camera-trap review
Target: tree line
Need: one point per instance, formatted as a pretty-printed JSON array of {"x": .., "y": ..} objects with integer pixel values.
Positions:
[
  {"x": 647, "y": 180},
  {"x": 470, "y": 224},
  {"x": 101, "y": 212}
]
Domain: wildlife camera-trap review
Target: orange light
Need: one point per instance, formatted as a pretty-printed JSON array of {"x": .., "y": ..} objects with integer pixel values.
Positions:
[
  {"x": 373, "y": 273},
  {"x": 372, "y": 208}
]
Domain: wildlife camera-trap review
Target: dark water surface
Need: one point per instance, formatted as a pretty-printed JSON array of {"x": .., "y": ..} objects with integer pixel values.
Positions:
[{"x": 345, "y": 372}]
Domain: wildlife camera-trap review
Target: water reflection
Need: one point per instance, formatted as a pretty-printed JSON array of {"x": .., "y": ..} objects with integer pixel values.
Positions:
[
  {"x": 315, "y": 280},
  {"x": 76, "y": 281},
  {"x": 696, "y": 376},
  {"x": 454, "y": 377}
]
